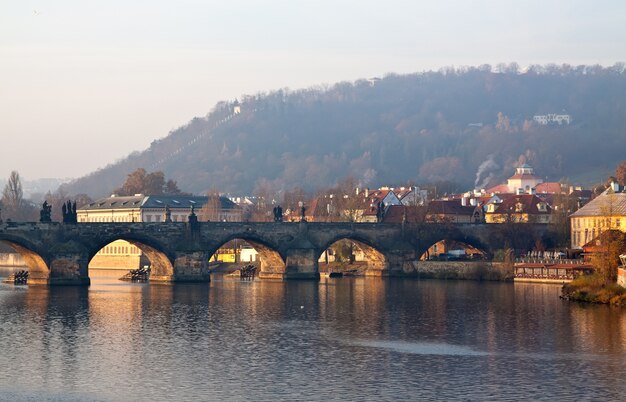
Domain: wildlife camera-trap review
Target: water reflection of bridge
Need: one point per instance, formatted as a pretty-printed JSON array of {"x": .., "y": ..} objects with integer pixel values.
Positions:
[{"x": 58, "y": 254}]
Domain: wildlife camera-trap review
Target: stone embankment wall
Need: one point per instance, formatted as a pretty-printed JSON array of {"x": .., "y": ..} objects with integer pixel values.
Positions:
[
  {"x": 472, "y": 270},
  {"x": 12, "y": 260}
]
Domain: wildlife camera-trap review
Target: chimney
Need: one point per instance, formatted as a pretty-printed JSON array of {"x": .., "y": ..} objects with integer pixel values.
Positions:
[
  {"x": 464, "y": 201},
  {"x": 615, "y": 186},
  {"x": 367, "y": 192},
  {"x": 473, "y": 202}
]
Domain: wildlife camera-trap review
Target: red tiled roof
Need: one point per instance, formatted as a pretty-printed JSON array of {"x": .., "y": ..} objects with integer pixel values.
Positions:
[
  {"x": 549, "y": 188},
  {"x": 500, "y": 188},
  {"x": 452, "y": 207}
]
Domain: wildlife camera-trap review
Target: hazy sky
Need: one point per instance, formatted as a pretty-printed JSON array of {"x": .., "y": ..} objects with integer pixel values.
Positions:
[{"x": 86, "y": 82}]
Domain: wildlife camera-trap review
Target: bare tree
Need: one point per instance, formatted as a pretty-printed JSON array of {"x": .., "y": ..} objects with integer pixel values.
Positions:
[
  {"x": 620, "y": 173},
  {"x": 350, "y": 200},
  {"x": 13, "y": 196},
  {"x": 15, "y": 207},
  {"x": 211, "y": 210}
]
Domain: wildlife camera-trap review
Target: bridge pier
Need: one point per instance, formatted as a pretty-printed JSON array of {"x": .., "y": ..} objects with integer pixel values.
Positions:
[
  {"x": 187, "y": 267},
  {"x": 397, "y": 264},
  {"x": 300, "y": 264},
  {"x": 65, "y": 270}
]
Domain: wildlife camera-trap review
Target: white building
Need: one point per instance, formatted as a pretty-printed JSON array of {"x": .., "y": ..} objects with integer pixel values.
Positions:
[{"x": 552, "y": 118}]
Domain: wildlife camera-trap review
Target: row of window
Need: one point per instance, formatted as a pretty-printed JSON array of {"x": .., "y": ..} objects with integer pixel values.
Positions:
[
  {"x": 119, "y": 250},
  {"x": 106, "y": 219},
  {"x": 579, "y": 223},
  {"x": 151, "y": 218}
]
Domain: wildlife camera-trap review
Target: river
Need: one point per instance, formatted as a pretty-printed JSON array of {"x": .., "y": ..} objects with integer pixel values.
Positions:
[{"x": 337, "y": 339}]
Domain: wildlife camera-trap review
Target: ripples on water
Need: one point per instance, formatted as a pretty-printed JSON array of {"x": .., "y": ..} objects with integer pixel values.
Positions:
[{"x": 339, "y": 339}]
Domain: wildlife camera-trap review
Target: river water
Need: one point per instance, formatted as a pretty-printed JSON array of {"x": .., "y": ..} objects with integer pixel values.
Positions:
[{"x": 337, "y": 339}]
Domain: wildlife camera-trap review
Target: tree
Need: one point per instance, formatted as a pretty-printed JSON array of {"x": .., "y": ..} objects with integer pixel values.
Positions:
[
  {"x": 141, "y": 182},
  {"x": 620, "y": 173},
  {"x": 15, "y": 207},
  {"x": 562, "y": 206},
  {"x": 211, "y": 210},
  {"x": 13, "y": 196},
  {"x": 60, "y": 197},
  {"x": 350, "y": 204}
]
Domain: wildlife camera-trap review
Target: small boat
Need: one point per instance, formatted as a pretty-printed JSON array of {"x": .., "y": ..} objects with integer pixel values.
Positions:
[
  {"x": 17, "y": 278},
  {"x": 137, "y": 275}
]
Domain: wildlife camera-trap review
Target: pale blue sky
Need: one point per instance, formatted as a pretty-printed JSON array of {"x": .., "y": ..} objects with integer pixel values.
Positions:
[{"x": 114, "y": 75}]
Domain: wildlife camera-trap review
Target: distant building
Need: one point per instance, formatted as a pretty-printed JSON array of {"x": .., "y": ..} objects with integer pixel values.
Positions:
[
  {"x": 524, "y": 181},
  {"x": 559, "y": 119},
  {"x": 523, "y": 208},
  {"x": 411, "y": 196},
  {"x": 605, "y": 212},
  {"x": 454, "y": 211},
  {"x": 236, "y": 107},
  {"x": 151, "y": 208}
]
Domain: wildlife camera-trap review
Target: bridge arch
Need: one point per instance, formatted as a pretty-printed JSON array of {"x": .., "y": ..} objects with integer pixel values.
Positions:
[
  {"x": 453, "y": 248},
  {"x": 375, "y": 259},
  {"x": 38, "y": 268},
  {"x": 270, "y": 258},
  {"x": 161, "y": 266}
]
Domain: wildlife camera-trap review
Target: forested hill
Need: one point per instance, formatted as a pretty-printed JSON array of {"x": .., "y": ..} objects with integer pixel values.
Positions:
[{"x": 424, "y": 128}]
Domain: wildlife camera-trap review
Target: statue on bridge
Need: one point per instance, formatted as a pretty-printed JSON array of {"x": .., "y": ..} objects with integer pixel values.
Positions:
[
  {"x": 380, "y": 211},
  {"x": 193, "y": 218},
  {"x": 302, "y": 213},
  {"x": 69, "y": 212},
  {"x": 278, "y": 214},
  {"x": 168, "y": 214},
  {"x": 45, "y": 215}
]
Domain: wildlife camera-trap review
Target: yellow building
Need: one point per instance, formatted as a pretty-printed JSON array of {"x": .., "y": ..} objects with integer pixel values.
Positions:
[
  {"x": 606, "y": 211},
  {"x": 524, "y": 208}
]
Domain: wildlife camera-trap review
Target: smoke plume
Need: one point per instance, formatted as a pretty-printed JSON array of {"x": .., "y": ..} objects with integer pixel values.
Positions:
[{"x": 488, "y": 166}]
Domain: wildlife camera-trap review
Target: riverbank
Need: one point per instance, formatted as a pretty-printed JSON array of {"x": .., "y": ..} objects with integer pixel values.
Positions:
[
  {"x": 593, "y": 289},
  {"x": 448, "y": 270},
  {"x": 465, "y": 270}
]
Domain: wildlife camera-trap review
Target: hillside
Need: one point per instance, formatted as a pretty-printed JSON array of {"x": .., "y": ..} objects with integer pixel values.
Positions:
[{"x": 428, "y": 127}]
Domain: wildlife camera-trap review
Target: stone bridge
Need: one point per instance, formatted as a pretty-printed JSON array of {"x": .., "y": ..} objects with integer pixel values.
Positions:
[{"x": 59, "y": 254}]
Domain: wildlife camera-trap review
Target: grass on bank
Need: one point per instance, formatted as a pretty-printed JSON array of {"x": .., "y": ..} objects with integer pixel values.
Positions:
[{"x": 594, "y": 289}]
